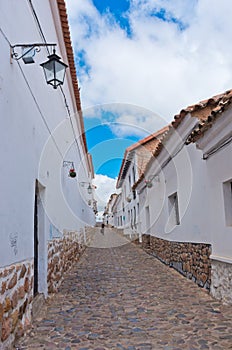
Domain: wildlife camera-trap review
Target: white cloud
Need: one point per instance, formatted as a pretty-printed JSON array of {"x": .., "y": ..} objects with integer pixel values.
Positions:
[
  {"x": 105, "y": 187},
  {"x": 125, "y": 119},
  {"x": 139, "y": 125},
  {"x": 160, "y": 67}
]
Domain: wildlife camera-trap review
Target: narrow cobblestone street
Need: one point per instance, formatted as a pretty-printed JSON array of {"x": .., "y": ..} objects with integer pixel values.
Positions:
[{"x": 122, "y": 298}]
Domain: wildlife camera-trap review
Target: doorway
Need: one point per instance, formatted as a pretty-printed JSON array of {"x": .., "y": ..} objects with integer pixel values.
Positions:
[
  {"x": 36, "y": 240},
  {"x": 40, "y": 242}
]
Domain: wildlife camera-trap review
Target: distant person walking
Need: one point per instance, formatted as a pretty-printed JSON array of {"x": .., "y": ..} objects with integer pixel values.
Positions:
[{"x": 102, "y": 228}]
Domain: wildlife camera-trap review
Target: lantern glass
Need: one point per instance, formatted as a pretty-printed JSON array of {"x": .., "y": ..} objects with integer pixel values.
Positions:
[
  {"x": 54, "y": 70},
  {"x": 89, "y": 189}
]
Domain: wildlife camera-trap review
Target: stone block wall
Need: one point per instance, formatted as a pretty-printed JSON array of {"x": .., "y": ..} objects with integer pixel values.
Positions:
[
  {"x": 88, "y": 234},
  {"x": 221, "y": 285},
  {"x": 16, "y": 295},
  {"x": 190, "y": 259},
  {"x": 146, "y": 242},
  {"x": 62, "y": 254}
]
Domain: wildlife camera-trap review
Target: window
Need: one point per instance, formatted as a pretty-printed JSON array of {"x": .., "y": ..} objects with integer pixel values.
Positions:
[
  {"x": 133, "y": 174},
  {"x": 134, "y": 217},
  {"x": 129, "y": 182},
  {"x": 174, "y": 216},
  {"x": 138, "y": 209},
  {"x": 227, "y": 192},
  {"x": 134, "y": 194}
]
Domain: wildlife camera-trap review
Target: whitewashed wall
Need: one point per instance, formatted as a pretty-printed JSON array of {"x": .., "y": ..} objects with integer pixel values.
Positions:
[
  {"x": 24, "y": 135},
  {"x": 219, "y": 171},
  {"x": 185, "y": 174},
  {"x": 188, "y": 180},
  {"x": 127, "y": 193},
  {"x": 220, "y": 231}
]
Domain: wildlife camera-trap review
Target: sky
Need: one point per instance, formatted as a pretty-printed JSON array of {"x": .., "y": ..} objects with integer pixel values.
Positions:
[{"x": 139, "y": 62}]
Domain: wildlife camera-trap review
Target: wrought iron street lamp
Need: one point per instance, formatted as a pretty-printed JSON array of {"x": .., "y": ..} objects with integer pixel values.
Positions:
[
  {"x": 89, "y": 188},
  {"x": 54, "y": 70}
]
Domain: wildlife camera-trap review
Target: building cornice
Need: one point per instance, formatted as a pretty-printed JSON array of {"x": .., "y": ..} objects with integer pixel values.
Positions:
[{"x": 69, "y": 51}]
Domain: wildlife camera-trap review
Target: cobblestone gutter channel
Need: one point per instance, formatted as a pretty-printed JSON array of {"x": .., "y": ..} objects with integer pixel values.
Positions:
[{"x": 192, "y": 260}]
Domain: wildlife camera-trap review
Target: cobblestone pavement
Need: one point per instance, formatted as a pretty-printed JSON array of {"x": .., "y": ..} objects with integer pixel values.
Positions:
[{"x": 123, "y": 298}]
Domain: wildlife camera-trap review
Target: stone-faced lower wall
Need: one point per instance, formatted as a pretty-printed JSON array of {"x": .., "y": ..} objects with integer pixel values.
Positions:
[
  {"x": 16, "y": 295},
  {"x": 62, "y": 254},
  {"x": 221, "y": 285},
  {"x": 86, "y": 235},
  {"x": 190, "y": 259},
  {"x": 146, "y": 241}
]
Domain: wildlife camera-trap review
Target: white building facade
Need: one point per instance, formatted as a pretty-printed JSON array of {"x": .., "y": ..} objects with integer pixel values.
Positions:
[
  {"x": 44, "y": 211},
  {"x": 127, "y": 208},
  {"x": 185, "y": 211},
  {"x": 108, "y": 214},
  {"x": 214, "y": 140}
]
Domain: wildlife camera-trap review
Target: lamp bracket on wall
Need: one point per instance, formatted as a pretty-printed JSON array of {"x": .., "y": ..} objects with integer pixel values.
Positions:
[
  {"x": 155, "y": 178},
  {"x": 28, "y": 51},
  {"x": 72, "y": 172},
  {"x": 151, "y": 178},
  {"x": 67, "y": 163}
]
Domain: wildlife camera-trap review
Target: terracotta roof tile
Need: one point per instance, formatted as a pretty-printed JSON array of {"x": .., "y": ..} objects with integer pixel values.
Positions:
[
  {"x": 219, "y": 103},
  {"x": 144, "y": 150},
  {"x": 207, "y": 111},
  {"x": 67, "y": 40},
  {"x": 203, "y": 109},
  {"x": 147, "y": 139}
]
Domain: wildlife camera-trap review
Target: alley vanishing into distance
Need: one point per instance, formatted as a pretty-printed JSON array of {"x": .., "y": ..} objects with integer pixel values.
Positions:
[{"x": 120, "y": 297}]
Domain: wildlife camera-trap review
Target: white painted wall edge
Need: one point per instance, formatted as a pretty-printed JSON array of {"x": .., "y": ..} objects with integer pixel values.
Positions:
[{"x": 221, "y": 258}]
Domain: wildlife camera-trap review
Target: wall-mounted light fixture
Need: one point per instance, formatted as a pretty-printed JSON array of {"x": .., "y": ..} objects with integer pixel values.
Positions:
[
  {"x": 89, "y": 188},
  {"x": 28, "y": 51},
  {"x": 72, "y": 172},
  {"x": 54, "y": 69},
  {"x": 152, "y": 178}
]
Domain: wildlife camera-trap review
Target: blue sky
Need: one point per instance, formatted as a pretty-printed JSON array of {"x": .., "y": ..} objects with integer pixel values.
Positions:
[
  {"x": 156, "y": 55},
  {"x": 118, "y": 8},
  {"x": 111, "y": 128},
  {"x": 96, "y": 131},
  {"x": 106, "y": 149}
]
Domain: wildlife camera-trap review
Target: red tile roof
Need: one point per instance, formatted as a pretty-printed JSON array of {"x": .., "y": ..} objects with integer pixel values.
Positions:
[
  {"x": 220, "y": 103},
  {"x": 203, "y": 109},
  {"x": 144, "y": 149},
  {"x": 67, "y": 40},
  {"x": 147, "y": 139},
  {"x": 207, "y": 111}
]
